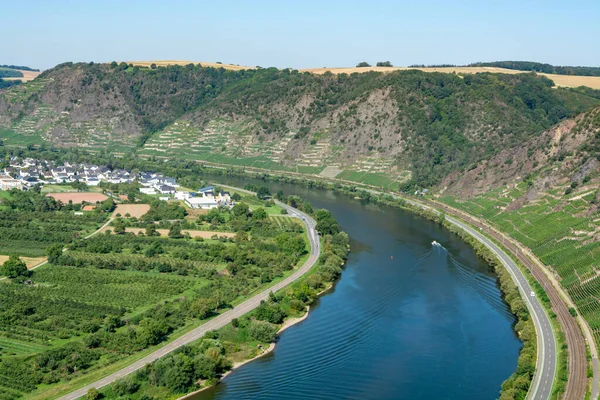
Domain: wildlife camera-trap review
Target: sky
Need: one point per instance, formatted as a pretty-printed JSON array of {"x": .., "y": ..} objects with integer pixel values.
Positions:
[{"x": 301, "y": 34}]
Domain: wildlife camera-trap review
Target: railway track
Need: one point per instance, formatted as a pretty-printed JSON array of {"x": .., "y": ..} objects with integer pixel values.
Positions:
[{"x": 577, "y": 380}]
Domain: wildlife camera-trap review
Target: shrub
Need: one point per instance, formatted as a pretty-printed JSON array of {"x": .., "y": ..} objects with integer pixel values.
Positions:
[{"x": 262, "y": 331}]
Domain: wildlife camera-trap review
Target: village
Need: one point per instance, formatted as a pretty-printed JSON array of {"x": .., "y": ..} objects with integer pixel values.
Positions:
[{"x": 24, "y": 174}]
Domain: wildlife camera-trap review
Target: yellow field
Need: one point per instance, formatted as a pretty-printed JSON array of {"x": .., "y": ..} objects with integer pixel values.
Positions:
[
  {"x": 29, "y": 261},
  {"x": 164, "y": 63},
  {"x": 27, "y": 76},
  {"x": 559, "y": 80}
]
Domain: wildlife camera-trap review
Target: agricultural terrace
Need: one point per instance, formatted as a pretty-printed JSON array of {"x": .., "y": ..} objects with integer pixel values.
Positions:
[
  {"x": 111, "y": 296},
  {"x": 560, "y": 231}
]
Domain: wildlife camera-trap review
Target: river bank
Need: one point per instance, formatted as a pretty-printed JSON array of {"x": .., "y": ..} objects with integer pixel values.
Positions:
[{"x": 287, "y": 324}]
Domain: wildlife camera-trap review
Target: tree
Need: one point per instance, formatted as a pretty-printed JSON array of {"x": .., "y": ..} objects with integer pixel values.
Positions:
[
  {"x": 363, "y": 64},
  {"x": 151, "y": 229},
  {"x": 14, "y": 267},
  {"x": 125, "y": 386},
  {"x": 153, "y": 66},
  {"x": 262, "y": 331},
  {"x": 236, "y": 197},
  {"x": 263, "y": 192},
  {"x": 93, "y": 394},
  {"x": 54, "y": 252},
  {"x": 259, "y": 214},
  {"x": 175, "y": 231},
  {"x": 241, "y": 210},
  {"x": 118, "y": 227},
  {"x": 384, "y": 64}
]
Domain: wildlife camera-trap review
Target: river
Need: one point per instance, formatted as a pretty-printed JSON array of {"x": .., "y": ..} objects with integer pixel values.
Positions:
[{"x": 407, "y": 319}]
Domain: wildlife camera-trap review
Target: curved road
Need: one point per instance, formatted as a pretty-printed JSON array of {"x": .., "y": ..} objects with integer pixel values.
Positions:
[
  {"x": 221, "y": 320},
  {"x": 543, "y": 379},
  {"x": 541, "y": 386}
]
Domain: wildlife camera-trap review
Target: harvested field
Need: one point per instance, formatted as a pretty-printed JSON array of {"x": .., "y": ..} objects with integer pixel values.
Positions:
[
  {"x": 134, "y": 210},
  {"x": 559, "y": 80},
  {"x": 78, "y": 198},
  {"x": 194, "y": 213},
  {"x": 164, "y": 63},
  {"x": 29, "y": 261},
  {"x": 27, "y": 76},
  {"x": 165, "y": 232}
]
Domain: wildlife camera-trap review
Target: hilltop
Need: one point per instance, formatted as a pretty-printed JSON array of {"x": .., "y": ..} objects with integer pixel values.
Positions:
[
  {"x": 381, "y": 129},
  {"x": 18, "y": 72},
  {"x": 561, "y": 76}
]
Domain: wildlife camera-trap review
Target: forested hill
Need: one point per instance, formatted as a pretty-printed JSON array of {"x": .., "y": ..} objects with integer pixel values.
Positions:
[
  {"x": 540, "y": 67},
  {"x": 381, "y": 129}
]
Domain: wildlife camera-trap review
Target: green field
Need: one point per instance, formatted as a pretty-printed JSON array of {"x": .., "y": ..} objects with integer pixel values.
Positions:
[{"x": 113, "y": 296}]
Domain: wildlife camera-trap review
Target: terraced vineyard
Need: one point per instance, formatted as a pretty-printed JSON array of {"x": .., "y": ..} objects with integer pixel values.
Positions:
[
  {"x": 558, "y": 229},
  {"x": 235, "y": 143}
]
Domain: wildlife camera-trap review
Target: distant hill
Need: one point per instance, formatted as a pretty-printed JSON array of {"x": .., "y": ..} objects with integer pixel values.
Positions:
[
  {"x": 404, "y": 126},
  {"x": 19, "y": 67},
  {"x": 539, "y": 67}
]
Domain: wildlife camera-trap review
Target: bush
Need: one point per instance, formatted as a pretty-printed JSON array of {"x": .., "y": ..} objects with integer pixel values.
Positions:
[
  {"x": 125, "y": 386},
  {"x": 93, "y": 394},
  {"x": 262, "y": 331},
  {"x": 363, "y": 64}
]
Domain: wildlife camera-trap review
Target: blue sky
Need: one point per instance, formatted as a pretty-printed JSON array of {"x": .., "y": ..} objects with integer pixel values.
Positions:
[{"x": 301, "y": 34}]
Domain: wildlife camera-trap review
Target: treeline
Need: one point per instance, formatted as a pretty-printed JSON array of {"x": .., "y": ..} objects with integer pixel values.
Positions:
[
  {"x": 540, "y": 67},
  {"x": 6, "y": 84},
  {"x": 10, "y": 73},
  {"x": 21, "y": 67}
]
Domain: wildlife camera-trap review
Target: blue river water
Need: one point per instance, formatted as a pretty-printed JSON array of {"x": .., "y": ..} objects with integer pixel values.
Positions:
[{"x": 407, "y": 320}]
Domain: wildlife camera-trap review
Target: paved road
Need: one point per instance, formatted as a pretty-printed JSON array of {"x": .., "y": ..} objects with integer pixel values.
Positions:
[
  {"x": 541, "y": 386},
  {"x": 576, "y": 330},
  {"x": 222, "y": 319}
]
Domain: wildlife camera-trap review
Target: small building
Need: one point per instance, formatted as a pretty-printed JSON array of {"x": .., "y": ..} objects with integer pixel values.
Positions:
[
  {"x": 182, "y": 195},
  {"x": 148, "y": 190},
  {"x": 8, "y": 183},
  {"x": 166, "y": 189},
  {"x": 202, "y": 202}
]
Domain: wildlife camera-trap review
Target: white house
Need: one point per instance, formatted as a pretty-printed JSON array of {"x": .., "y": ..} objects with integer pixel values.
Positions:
[
  {"x": 145, "y": 190},
  {"x": 166, "y": 189},
  {"x": 8, "y": 183},
  {"x": 202, "y": 202},
  {"x": 182, "y": 195}
]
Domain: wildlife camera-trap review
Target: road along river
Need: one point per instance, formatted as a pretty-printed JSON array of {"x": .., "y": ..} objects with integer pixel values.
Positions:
[{"x": 408, "y": 319}]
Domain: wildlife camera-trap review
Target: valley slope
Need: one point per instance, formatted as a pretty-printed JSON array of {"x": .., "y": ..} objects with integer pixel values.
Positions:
[{"x": 408, "y": 127}]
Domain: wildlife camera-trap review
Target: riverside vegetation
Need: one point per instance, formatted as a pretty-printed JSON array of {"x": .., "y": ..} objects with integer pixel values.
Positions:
[
  {"x": 201, "y": 363},
  {"x": 113, "y": 295}
]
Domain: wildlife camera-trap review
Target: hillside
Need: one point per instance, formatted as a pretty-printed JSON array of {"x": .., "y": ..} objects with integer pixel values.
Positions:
[
  {"x": 545, "y": 193},
  {"x": 376, "y": 128}
]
